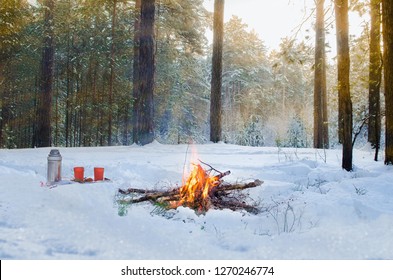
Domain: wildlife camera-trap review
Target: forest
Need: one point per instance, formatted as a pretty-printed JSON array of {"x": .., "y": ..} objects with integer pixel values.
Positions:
[{"x": 80, "y": 73}]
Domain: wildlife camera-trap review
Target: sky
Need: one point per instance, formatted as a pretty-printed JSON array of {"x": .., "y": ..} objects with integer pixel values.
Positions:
[
  {"x": 277, "y": 19},
  {"x": 272, "y": 20}
]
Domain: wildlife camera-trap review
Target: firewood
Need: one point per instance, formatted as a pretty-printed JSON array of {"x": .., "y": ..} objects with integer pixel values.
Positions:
[
  {"x": 151, "y": 195},
  {"x": 161, "y": 193},
  {"x": 170, "y": 197},
  {"x": 235, "y": 205},
  {"x": 201, "y": 191},
  {"x": 132, "y": 190},
  {"x": 229, "y": 187}
]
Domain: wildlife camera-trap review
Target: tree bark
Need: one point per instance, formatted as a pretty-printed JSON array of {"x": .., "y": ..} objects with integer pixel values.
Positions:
[
  {"x": 2, "y": 98},
  {"x": 43, "y": 138},
  {"x": 12, "y": 22},
  {"x": 344, "y": 96},
  {"x": 112, "y": 73},
  {"x": 69, "y": 82},
  {"x": 216, "y": 81},
  {"x": 6, "y": 105},
  {"x": 387, "y": 26},
  {"x": 321, "y": 134},
  {"x": 135, "y": 78},
  {"x": 375, "y": 70},
  {"x": 144, "y": 101}
]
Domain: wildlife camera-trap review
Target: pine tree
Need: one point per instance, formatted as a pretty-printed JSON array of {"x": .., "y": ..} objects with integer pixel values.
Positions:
[
  {"x": 375, "y": 71},
  {"x": 321, "y": 129},
  {"x": 44, "y": 130},
  {"x": 135, "y": 77},
  {"x": 144, "y": 102},
  {"x": 112, "y": 73},
  {"x": 387, "y": 27},
  {"x": 216, "y": 81},
  {"x": 344, "y": 96},
  {"x": 12, "y": 22}
]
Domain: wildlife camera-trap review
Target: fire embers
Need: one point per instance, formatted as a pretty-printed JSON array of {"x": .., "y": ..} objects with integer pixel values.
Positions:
[
  {"x": 196, "y": 191},
  {"x": 201, "y": 191}
]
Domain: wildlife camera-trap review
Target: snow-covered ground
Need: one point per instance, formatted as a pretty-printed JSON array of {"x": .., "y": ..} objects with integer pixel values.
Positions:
[{"x": 313, "y": 209}]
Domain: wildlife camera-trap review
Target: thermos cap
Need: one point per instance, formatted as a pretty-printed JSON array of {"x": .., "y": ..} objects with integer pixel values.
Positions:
[
  {"x": 54, "y": 155},
  {"x": 54, "y": 152}
]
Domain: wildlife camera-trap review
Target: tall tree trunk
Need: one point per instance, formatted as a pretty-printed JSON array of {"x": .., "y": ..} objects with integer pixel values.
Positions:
[
  {"x": 2, "y": 98},
  {"x": 57, "y": 115},
  {"x": 69, "y": 81},
  {"x": 321, "y": 134},
  {"x": 6, "y": 115},
  {"x": 216, "y": 82},
  {"x": 344, "y": 96},
  {"x": 112, "y": 73},
  {"x": 375, "y": 70},
  {"x": 11, "y": 24},
  {"x": 34, "y": 115},
  {"x": 43, "y": 138},
  {"x": 135, "y": 66},
  {"x": 144, "y": 102},
  {"x": 68, "y": 94},
  {"x": 387, "y": 27}
]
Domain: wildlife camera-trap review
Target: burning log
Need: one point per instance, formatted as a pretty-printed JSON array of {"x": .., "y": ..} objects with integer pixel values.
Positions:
[{"x": 201, "y": 192}]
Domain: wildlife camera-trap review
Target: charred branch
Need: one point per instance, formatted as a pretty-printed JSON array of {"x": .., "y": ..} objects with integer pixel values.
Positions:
[{"x": 221, "y": 197}]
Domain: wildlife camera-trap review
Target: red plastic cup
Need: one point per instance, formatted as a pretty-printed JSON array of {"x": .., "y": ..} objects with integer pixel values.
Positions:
[
  {"x": 98, "y": 173},
  {"x": 79, "y": 173}
]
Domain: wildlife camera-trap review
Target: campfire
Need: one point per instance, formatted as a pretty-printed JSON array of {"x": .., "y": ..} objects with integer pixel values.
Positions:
[{"x": 201, "y": 190}]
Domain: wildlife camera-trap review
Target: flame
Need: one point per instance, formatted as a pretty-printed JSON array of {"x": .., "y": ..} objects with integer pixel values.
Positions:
[{"x": 197, "y": 187}]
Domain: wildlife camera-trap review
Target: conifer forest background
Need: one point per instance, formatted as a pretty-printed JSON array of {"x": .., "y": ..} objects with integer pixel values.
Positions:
[{"x": 84, "y": 59}]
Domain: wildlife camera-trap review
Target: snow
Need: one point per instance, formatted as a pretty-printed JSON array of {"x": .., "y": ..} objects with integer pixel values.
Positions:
[{"x": 312, "y": 208}]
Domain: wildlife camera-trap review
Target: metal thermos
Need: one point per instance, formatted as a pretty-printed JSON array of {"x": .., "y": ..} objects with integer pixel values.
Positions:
[{"x": 54, "y": 166}]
